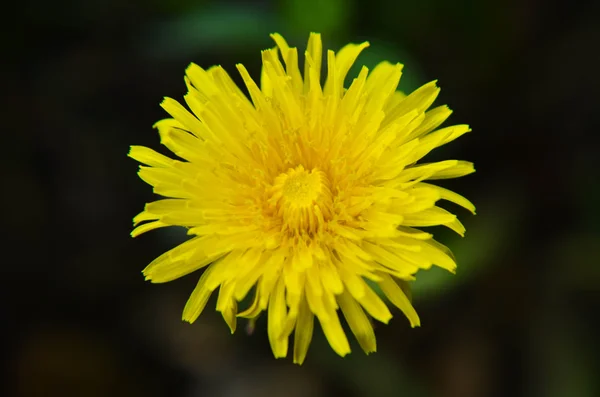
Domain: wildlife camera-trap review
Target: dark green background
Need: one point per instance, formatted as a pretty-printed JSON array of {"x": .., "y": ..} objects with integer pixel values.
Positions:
[{"x": 83, "y": 80}]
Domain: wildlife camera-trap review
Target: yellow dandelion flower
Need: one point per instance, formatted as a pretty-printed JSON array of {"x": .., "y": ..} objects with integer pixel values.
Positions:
[{"x": 302, "y": 194}]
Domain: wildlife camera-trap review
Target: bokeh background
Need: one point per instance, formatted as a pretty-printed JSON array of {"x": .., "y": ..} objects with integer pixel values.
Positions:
[{"x": 83, "y": 80}]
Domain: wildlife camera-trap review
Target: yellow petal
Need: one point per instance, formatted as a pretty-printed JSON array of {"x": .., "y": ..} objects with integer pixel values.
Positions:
[
  {"x": 381, "y": 85},
  {"x": 227, "y": 305},
  {"x": 290, "y": 57},
  {"x": 312, "y": 63},
  {"x": 461, "y": 168},
  {"x": 393, "y": 101},
  {"x": 418, "y": 100},
  {"x": 198, "y": 299},
  {"x": 179, "y": 113},
  {"x": 375, "y": 306},
  {"x": 344, "y": 60},
  {"x": 359, "y": 323},
  {"x": 436, "y": 139},
  {"x": 334, "y": 332},
  {"x": 181, "y": 260},
  {"x": 451, "y": 196},
  {"x": 433, "y": 119},
  {"x": 395, "y": 294},
  {"x": 277, "y": 315},
  {"x": 254, "y": 309},
  {"x": 304, "y": 332},
  {"x": 149, "y": 157},
  {"x": 146, "y": 227},
  {"x": 251, "y": 268},
  {"x": 331, "y": 278},
  {"x": 433, "y": 217}
]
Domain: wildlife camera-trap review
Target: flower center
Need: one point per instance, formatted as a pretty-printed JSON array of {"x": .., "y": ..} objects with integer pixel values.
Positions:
[{"x": 302, "y": 199}]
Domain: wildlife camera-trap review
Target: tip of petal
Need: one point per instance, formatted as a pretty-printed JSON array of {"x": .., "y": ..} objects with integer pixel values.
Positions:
[
  {"x": 131, "y": 148},
  {"x": 471, "y": 208},
  {"x": 370, "y": 351},
  {"x": 279, "y": 40}
]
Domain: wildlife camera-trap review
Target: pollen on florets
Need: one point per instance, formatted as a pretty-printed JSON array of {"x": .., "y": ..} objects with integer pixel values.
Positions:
[{"x": 303, "y": 200}]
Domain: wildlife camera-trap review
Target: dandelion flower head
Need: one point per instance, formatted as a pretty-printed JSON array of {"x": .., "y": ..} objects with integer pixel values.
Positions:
[{"x": 302, "y": 197}]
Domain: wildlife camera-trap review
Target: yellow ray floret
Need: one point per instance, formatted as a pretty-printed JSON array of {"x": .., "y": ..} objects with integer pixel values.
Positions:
[{"x": 302, "y": 196}]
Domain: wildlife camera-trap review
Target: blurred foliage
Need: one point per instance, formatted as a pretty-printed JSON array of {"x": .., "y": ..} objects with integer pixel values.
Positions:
[
  {"x": 331, "y": 18},
  {"x": 211, "y": 27}
]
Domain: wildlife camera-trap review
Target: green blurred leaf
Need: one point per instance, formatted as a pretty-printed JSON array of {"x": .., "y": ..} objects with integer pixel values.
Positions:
[
  {"x": 328, "y": 17},
  {"x": 215, "y": 27}
]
